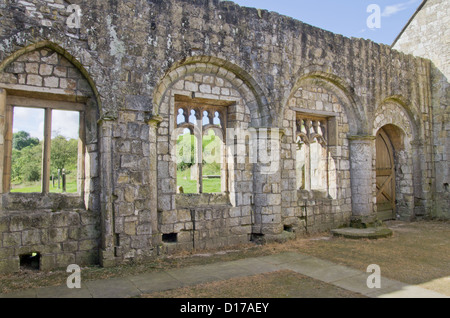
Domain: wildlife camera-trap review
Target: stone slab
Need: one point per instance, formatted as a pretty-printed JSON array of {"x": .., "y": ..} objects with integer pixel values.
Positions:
[
  {"x": 369, "y": 233},
  {"x": 113, "y": 288},
  {"x": 153, "y": 282}
]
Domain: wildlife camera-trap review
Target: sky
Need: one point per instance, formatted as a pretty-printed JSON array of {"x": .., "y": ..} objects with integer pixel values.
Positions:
[
  {"x": 31, "y": 120},
  {"x": 346, "y": 17}
]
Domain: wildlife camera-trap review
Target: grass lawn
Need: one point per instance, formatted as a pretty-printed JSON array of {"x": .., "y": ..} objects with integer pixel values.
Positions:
[
  {"x": 36, "y": 187},
  {"x": 209, "y": 185}
]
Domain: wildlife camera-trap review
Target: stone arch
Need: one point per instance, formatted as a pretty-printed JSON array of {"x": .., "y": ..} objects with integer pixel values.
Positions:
[
  {"x": 394, "y": 110},
  {"x": 262, "y": 115},
  {"x": 353, "y": 107},
  {"x": 58, "y": 49},
  {"x": 52, "y": 62},
  {"x": 398, "y": 123}
]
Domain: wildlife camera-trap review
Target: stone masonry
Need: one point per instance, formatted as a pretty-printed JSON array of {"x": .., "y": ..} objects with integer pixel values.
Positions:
[
  {"x": 128, "y": 65},
  {"x": 428, "y": 36}
]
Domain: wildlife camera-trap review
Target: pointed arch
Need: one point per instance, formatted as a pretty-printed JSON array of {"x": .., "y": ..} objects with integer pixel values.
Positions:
[
  {"x": 58, "y": 49},
  {"x": 248, "y": 87},
  {"x": 344, "y": 92},
  {"x": 396, "y": 110}
]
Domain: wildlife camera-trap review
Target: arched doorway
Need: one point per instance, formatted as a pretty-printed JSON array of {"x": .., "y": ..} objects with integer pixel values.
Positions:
[{"x": 385, "y": 168}]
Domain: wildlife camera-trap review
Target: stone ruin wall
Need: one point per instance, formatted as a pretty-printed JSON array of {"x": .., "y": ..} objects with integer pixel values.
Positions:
[{"x": 131, "y": 59}]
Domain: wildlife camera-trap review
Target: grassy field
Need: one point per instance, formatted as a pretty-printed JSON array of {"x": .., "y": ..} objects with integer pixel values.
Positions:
[
  {"x": 184, "y": 174},
  {"x": 36, "y": 187},
  {"x": 209, "y": 185}
]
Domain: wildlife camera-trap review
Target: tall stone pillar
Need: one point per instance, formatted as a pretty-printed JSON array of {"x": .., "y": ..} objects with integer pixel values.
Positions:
[
  {"x": 2, "y": 133},
  {"x": 362, "y": 180},
  {"x": 267, "y": 185},
  {"x": 418, "y": 169},
  {"x": 153, "y": 123},
  {"x": 108, "y": 242}
]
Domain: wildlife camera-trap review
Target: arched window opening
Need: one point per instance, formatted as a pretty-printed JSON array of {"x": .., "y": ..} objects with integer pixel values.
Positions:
[
  {"x": 201, "y": 166},
  {"x": 312, "y": 153}
]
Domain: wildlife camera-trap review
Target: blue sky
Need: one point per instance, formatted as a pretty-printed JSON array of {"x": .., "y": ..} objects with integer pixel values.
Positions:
[
  {"x": 346, "y": 17},
  {"x": 31, "y": 120}
]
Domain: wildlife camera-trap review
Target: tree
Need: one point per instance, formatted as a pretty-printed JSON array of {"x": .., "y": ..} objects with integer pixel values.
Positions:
[
  {"x": 22, "y": 139},
  {"x": 27, "y": 164},
  {"x": 64, "y": 153}
]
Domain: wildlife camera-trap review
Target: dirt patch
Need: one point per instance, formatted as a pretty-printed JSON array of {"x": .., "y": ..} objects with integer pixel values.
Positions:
[
  {"x": 418, "y": 253},
  {"x": 282, "y": 284}
]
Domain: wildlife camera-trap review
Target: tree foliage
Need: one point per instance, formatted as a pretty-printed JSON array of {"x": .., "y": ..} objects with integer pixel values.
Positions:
[
  {"x": 27, "y": 164},
  {"x": 64, "y": 154},
  {"x": 22, "y": 139},
  {"x": 27, "y": 161}
]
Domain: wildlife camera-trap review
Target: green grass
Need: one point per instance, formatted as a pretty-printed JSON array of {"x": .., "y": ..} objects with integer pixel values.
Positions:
[
  {"x": 36, "y": 187},
  {"x": 209, "y": 185}
]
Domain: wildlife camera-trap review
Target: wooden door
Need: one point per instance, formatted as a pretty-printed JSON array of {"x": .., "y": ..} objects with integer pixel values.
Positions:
[{"x": 385, "y": 178}]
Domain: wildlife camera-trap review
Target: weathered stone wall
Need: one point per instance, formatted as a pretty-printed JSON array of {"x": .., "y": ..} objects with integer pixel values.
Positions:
[
  {"x": 63, "y": 229},
  {"x": 135, "y": 56},
  {"x": 330, "y": 207},
  {"x": 427, "y": 36},
  {"x": 61, "y": 238}
]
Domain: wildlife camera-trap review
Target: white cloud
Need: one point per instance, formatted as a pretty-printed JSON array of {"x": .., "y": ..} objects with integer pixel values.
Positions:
[
  {"x": 65, "y": 123},
  {"x": 394, "y": 9},
  {"x": 31, "y": 120}
]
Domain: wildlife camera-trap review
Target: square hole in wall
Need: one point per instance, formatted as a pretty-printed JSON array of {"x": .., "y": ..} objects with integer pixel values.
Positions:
[
  {"x": 170, "y": 238},
  {"x": 30, "y": 261},
  {"x": 288, "y": 228}
]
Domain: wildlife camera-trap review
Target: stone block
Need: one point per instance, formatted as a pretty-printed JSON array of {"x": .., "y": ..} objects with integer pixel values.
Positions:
[
  {"x": 130, "y": 228},
  {"x": 65, "y": 259},
  {"x": 33, "y": 237},
  {"x": 88, "y": 245},
  {"x": 9, "y": 265},
  {"x": 86, "y": 258},
  {"x": 12, "y": 239},
  {"x": 58, "y": 235},
  {"x": 34, "y": 80},
  {"x": 45, "y": 70}
]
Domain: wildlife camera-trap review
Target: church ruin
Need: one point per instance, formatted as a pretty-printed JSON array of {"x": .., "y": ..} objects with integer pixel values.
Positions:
[{"x": 314, "y": 130}]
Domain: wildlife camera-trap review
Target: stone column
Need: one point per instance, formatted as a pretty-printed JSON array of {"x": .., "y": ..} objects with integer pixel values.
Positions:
[
  {"x": 267, "y": 184},
  {"x": 2, "y": 134},
  {"x": 108, "y": 242},
  {"x": 362, "y": 180},
  {"x": 418, "y": 162},
  {"x": 154, "y": 122}
]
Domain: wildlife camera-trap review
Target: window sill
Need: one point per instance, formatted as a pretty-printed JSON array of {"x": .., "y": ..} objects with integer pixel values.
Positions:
[
  {"x": 313, "y": 194},
  {"x": 205, "y": 199},
  {"x": 40, "y": 201}
]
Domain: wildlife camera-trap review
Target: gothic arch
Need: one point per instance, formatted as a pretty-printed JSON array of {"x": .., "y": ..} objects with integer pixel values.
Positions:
[
  {"x": 344, "y": 92},
  {"x": 58, "y": 49},
  {"x": 396, "y": 119},
  {"x": 252, "y": 93},
  {"x": 395, "y": 110}
]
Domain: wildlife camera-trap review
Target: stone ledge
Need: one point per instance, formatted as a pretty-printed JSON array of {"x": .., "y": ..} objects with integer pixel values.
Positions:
[{"x": 369, "y": 233}]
